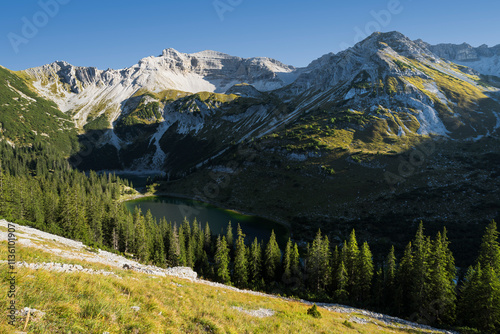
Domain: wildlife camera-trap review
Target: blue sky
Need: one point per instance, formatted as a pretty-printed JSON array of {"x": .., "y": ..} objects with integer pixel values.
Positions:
[{"x": 116, "y": 34}]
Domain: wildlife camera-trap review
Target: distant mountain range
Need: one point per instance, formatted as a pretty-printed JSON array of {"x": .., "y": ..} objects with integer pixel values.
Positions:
[
  {"x": 483, "y": 59},
  {"x": 151, "y": 111},
  {"x": 388, "y": 130}
]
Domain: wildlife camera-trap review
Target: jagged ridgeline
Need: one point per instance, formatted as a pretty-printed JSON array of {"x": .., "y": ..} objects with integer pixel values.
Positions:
[
  {"x": 27, "y": 118},
  {"x": 383, "y": 96}
]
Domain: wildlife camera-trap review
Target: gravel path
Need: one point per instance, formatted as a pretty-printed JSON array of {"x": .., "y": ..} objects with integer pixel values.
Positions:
[{"x": 71, "y": 249}]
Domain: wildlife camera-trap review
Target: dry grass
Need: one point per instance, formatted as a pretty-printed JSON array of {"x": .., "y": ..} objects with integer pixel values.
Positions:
[{"x": 83, "y": 303}]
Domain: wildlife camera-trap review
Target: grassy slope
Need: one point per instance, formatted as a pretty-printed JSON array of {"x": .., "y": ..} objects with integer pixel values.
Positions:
[
  {"x": 26, "y": 118},
  {"x": 83, "y": 303}
]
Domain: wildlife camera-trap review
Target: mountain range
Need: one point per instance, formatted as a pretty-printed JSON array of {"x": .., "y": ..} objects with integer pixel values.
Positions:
[{"x": 340, "y": 126}]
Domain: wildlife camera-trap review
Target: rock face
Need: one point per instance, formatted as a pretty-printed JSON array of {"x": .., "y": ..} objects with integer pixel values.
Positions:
[
  {"x": 372, "y": 55},
  {"x": 483, "y": 59},
  {"x": 208, "y": 71},
  {"x": 151, "y": 120}
]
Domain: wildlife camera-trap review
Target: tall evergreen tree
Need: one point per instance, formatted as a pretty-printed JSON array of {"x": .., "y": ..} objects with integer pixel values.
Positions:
[
  {"x": 158, "y": 249},
  {"x": 350, "y": 254},
  {"x": 222, "y": 261},
  {"x": 229, "y": 235},
  {"x": 442, "y": 286},
  {"x": 481, "y": 287},
  {"x": 318, "y": 263},
  {"x": 174, "y": 249},
  {"x": 480, "y": 299},
  {"x": 287, "y": 262},
  {"x": 404, "y": 282},
  {"x": 365, "y": 272},
  {"x": 182, "y": 246},
  {"x": 295, "y": 261},
  {"x": 240, "y": 277},
  {"x": 272, "y": 259},
  {"x": 140, "y": 235},
  {"x": 208, "y": 238},
  {"x": 489, "y": 253},
  {"x": 420, "y": 283},
  {"x": 255, "y": 263},
  {"x": 341, "y": 294},
  {"x": 390, "y": 270}
]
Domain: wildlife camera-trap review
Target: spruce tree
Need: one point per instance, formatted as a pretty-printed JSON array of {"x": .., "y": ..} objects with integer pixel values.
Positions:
[
  {"x": 481, "y": 287},
  {"x": 318, "y": 263},
  {"x": 341, "y": 294},
  {"x": 489, "y": 253},
  {"x": 229, "y": 235},
  {"x": 295, "y": 261},
  {"x": 174, "y": 249},
  {"x": 442, "y": 286},
  {"x": 480, "y": 299},
  {"x": 390, "y": 270},
  {"x": 420, "y": 294},
  {"x": 182, "y": 246},
  {"x": 287, "y": 262},
  {"x": 240, "y": 277},
  {"x": 140, "y": 242},
  {"x": 158, "y": 253},
  {"x": 404, "y": 282},
  {"x": 222, "y": 261},
  {"x": 350, "y": 258},
  {"x": 208, "y": 238},
  {"x": 255, "y": 263},
  {"x": 365, "y": 272},
  {"x": 272, "y": 259}
]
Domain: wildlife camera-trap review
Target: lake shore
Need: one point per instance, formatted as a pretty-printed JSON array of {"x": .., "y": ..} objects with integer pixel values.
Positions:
[{"x": 213, "y": 203}]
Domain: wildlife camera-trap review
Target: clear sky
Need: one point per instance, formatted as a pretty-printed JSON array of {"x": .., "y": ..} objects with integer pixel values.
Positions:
[{"x": 116, "y": 34}]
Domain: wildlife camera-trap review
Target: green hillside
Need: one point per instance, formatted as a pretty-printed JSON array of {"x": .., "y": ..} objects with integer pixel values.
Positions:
[{"x": 26, "y": 118}]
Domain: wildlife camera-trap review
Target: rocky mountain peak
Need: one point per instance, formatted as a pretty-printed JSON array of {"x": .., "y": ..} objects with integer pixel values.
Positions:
[{"x": 396, "y": 41}]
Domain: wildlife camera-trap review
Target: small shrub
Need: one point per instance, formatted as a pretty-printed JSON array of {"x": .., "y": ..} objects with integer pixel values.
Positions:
[
  {"x": 348, "y": 324},
  {"x": 314, "y": 311}
]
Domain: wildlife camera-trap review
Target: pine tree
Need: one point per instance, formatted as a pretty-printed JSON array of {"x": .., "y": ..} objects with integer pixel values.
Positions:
[
  {"x": 287, "y": 265},
  {"x": 229, "y": 235},
  {"x": 318, "y": 263},
  {"x": 94, "y": 216},
  {"x": 404, "y": 282},
  {"x": 222, "y": 261},
  {"x": 295, "y": 261},
  {"x": 481, "y": 287},
  {"x": 182, "y": 246},
  {"x": 335, "y": 263},
  {"x": 350, "y": 258},
  {"x": 206, "y": 271},
  {"x": 420, "y": 294},
  {"x": 174, "y": 249},
  {"x": 208, "y": 238},
  {"x": 272, "y": 259},
  {"x": 378, "y": 289},
  {"x": 442, "y": 286},
  {"x": 240, "y": 260},
  {"x": 390, "y": 271},
  {"x": 140, "y": 235},
  {"x": 490, "y": 248},
  {"x": 365, "y": 271},
  {"x": 255, "y": 263},
  {"x": 158, "y": 255},
  {"x": 341, "y": 294},
  {"x": 480, "y": 299}
]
